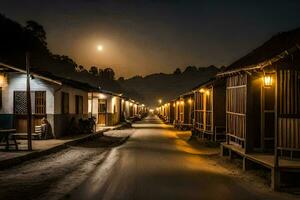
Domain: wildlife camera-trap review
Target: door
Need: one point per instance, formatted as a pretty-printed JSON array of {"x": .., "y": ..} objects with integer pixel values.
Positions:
[{"x": 102, "y": 111}]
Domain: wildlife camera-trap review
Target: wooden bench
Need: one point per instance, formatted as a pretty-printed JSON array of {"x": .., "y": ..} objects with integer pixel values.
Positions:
[{"x": 37, "y": 133}]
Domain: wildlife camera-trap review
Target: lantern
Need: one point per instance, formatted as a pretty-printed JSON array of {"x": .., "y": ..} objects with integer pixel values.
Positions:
[{"x": 267, "y": 80}]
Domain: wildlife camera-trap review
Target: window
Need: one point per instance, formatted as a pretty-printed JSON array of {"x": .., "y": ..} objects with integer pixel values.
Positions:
[
  {"x": 38, "y": 102},
  {"x": 102, "y": 106},
  {"x": 64, "y": 103},
  {"x": 78, "y": 104}
]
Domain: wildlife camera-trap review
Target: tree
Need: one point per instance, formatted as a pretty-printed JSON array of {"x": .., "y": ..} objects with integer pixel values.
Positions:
[
  {"x": 190, "y": 69},
  {"x": 100, "y": 73},
  {"x": 109, "y": 74},
  {"x": 80, "y": 68},
  {"x": 177, "y": 71},
  {"x": 37, "y": 31},
  {"x": 94, "y": 71},
  {"x": 121, "y": 78}
]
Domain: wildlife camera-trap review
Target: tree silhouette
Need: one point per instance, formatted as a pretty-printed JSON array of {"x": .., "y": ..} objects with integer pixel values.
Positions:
[
  {"x": 108, "y": 73},
  {"x": 177, "y": 71},
  {"x": 190, "y": 69},
  {"x": 37, "y": 31},
  {"x": 94, "y": 70}
]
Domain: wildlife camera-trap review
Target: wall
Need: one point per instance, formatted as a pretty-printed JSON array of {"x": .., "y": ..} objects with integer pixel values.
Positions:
[
  {"x": 72, "y": 93},
  {"x": 16, "y": 81},
  {"x": 112, "y": 110},
  {"x": 63, "y": 122}
]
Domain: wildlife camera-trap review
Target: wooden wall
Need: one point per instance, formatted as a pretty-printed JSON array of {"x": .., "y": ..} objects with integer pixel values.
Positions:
[
  {"x": 236, "y": 103},
  {"x": 199, "y": 110},
  {"x": 289, "y": 109}
]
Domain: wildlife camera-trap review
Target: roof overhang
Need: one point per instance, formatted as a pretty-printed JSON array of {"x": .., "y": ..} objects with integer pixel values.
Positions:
[
  {"x": 32, "y": 73},
  {"x": 262, "y": 65}
]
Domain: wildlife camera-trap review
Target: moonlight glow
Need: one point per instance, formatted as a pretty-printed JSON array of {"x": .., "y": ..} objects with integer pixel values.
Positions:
[{"x": 99, "y": 47}]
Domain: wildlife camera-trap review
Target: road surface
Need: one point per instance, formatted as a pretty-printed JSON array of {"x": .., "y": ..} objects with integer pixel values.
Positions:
[{"x": 156, "y": 163}]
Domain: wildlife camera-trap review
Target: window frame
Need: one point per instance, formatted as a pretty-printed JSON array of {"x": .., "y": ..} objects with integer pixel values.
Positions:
[
  {"x": 65, "y": 99},
  {"x": 78, "y": 104}
]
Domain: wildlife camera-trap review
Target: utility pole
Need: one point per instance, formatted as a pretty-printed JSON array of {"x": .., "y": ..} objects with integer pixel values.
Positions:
[{"x": 28, "y": 98}]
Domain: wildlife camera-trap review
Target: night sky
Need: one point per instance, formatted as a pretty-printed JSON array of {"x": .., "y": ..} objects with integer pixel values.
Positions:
[{"x": 142, "y": 37}]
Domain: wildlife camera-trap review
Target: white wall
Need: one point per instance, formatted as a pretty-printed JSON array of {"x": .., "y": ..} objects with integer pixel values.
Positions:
[
  {"x": 72, "y": 93},
  {"x": 111, "y": 101},
  {"x": 17, "y": 82}
]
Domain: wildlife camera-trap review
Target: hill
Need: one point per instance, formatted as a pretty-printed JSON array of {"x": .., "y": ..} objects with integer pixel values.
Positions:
[{"x": 167, "y": 86}]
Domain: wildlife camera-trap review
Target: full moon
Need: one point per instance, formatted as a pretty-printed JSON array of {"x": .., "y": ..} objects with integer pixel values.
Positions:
[{"x": 99, "y": 47}]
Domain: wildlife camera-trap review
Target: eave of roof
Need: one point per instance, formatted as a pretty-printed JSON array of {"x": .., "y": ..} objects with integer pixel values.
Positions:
[
  {"x": 32, "y": 73},
  {"x": 263, "y": 64}
]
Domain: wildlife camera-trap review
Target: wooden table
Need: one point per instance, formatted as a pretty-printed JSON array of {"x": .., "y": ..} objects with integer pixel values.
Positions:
[{"x": 6, "y": 135}]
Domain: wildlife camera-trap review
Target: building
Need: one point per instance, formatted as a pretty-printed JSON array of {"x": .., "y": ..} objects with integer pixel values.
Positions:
[
  {"x": 105, "y": 107},
  {"x": 263, "y": 107},
  {"x": 61, "y": 101},
  {"x": 209, "y": 113},
  {"x": 184, "y": 111}
]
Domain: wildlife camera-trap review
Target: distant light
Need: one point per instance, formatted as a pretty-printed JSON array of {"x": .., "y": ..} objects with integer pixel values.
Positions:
[
  {"x": 159, "y": 101},
  {"x": 190, "y": 101},
  {"x": 202, "y": 90},
  {"x": 99, "y": 47},
  {"x": 207, "y": 92}
]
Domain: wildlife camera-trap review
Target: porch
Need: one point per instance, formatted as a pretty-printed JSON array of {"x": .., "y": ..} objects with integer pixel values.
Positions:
[{"x": 286, "y": 166}]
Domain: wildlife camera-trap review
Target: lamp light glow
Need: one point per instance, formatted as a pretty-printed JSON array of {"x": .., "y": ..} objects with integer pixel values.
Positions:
[{"x": 267, "y": 80}]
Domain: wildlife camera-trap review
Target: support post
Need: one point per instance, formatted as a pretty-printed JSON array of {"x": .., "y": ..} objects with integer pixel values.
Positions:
[
  {"x": 28, "y": 100},
  {"x": 275, "y": 178},
  {"x": 262, "y": 117},
  {"x": 275, "y": 184}
]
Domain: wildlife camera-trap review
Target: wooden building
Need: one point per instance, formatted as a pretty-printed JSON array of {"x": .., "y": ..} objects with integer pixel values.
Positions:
[
  {"x": 184, "y": 110},
  {"x": 167, "y": 112},
  {"x": 209, "y": 113},
  {"x": 263, "y": 106}
]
